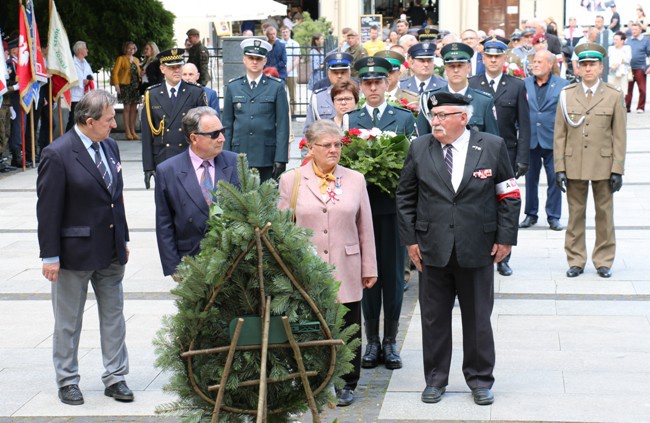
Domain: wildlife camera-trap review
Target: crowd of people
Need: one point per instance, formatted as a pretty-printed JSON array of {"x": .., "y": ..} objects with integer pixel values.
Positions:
[{"x": 480, "y": 111}]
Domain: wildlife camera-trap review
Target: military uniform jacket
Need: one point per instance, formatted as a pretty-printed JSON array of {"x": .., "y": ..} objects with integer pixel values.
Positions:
[
  {"x": 412, "y": 84},
  {"x": 472, "y": 219},
  {"x": 200, "y": 56},
  {"x": 513, "y": 116},
  {"x": 166, "y": 139},
  {"x": 257, "y": 121},
  {"x": 483, "y": 118},
  {"x": 320, "y": 107},
  {"x": 591, "y": 144}
]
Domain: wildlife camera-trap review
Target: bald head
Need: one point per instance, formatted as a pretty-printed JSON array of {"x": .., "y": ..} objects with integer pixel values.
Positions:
[{"x": 190, "y": 73}]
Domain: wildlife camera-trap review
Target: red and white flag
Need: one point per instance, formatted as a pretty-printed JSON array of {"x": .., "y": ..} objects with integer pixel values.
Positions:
[
  {"x": 59, "y": 58},
  {"x": 31, "y": 66},
  {"x": 3, "y": 71}
]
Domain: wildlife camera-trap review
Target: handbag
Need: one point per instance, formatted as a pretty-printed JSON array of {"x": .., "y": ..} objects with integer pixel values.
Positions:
[{"x": 294, "y": 194}]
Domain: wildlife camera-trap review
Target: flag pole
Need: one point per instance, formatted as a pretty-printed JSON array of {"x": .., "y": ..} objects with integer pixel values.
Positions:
[
  {"x": 49, "y": 109},
  {"x": 22, "y": 136},
  {"x": 31, "y": 127},
  {"x": 60, "y": 119}
]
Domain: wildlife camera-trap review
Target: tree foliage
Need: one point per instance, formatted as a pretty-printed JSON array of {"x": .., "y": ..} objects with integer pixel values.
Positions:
[
  {"x": 222, "y": 283},
  {"x": 103, "y": 25}
]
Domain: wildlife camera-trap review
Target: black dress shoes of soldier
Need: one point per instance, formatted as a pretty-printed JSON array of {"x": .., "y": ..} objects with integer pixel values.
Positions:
[
  {"x": 71, "y": 395},
  {"x": 604, "y": 272},
  {"x": 392, "y": 360},
  {"x": 372, "y": 357},
  {"x": 119, "y": 391},
  {"x": 574, "y": 271},
  {"x": 504, "y": 269},
  {"x": 432, "y": 394},
  {"x": 483, "y": 396}
]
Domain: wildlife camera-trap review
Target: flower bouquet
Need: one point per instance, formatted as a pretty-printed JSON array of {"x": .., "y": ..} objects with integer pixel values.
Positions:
[
  {"x": 378, "y": 155},
  {"x": 513, "y": 70}
]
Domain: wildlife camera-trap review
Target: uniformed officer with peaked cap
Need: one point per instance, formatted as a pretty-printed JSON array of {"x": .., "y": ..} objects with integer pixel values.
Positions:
[
  {"x": 457, "y": 58},
  {"x": 320, "y": 103},
  {"x": 589, "y": 146},
  {"x": 256, "y": 114},
  {"x": 389, "y": 289},
  {"x": 395, "y": 93},
  {"x": 421, "y": 57},
  {"x": 165, "y": 104}
]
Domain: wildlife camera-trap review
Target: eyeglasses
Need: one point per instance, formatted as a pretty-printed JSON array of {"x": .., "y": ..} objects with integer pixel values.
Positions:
[
  {"x": 344, "y": 99},
  {"x": 336, "y": 145},
  {"x": 214, "y": 134},
  {"x": 442, "y": 116}
]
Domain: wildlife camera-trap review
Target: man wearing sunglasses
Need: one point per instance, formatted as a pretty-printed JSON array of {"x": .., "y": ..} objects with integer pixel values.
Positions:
[{"x": 186, "y": 184}]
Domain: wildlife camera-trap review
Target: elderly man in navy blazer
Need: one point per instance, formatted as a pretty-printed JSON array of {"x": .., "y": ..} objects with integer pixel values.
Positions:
[
  {"x": 82, "y": 233},
  {"x": 186, "y": 185},
  {"x": 543, "y": 90}
]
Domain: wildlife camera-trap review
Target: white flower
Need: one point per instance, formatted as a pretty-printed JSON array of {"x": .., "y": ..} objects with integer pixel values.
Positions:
[
  {"x": 365, "y": 134},
  {"x": 513, "y": 66},
  {"x": 388, "y": 134},
  {"x": 375, "y": 132}
]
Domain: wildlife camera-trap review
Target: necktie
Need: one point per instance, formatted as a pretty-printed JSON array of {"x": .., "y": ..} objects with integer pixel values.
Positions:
[
  {"x": 421, "y": 88},
  {"x": 492, "y": 85},
  {"x": 375, "y": 118},
  {"x": 449, "y": 158},
  {"x": 173, "y": 96},
  {"x": 101, "y": 167},
  {"x": 590, "y": 95},
  {"x": 206, "y": 183},
  {"x": 253, "y": 85}
]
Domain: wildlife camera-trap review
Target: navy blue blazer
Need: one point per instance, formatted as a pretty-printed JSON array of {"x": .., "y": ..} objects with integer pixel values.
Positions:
[
  {"x": 80, "y": 220},
  {"x": 213, "y": 99},
  {"x": 542, "y": 116},
  {"x": 181, "y": 210}
]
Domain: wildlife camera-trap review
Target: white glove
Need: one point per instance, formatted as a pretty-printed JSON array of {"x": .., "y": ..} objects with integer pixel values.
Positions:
[{"x": 12, "y": 113}]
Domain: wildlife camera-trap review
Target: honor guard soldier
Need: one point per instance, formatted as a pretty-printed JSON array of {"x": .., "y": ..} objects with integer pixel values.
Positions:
[
  {"x": 589, "y": 146},
  {"x": 256, "y": 114},
  {"x": 457, "y": 57},
  {"x": 165, "y": 104},
  {"x": 320, "y": 103},
  {"x": 421, "y": 65},
  {"x": 511, "y": 104},
  {"x": 389, "y": 289}
]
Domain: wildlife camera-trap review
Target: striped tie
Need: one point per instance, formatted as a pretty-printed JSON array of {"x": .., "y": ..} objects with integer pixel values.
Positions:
[
  {"x": 101, "y": 167},
  {"x": 449, "y": 158}
]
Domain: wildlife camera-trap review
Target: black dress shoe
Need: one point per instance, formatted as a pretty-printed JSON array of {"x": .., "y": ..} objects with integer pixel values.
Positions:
[
  {"x": 555, "y": 225},
  {"x": 528, "y": 222},
  {"x": 345, "y": 397},
  {"x": 432, "y": 394},
  {"x": 71, "y": 395},
  {"x": 574, "y": 271},
  {"x": 483, "y": 396},
  {"x": 504, "y": 269},
  {"x": 372, "y": 357},
  {"x": 604, "y": 272},
  {"x": 119, "y": 391}
]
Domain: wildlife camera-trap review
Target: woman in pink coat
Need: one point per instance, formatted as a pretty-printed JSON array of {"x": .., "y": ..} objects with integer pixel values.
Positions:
[{"x": 333, "y": 202}]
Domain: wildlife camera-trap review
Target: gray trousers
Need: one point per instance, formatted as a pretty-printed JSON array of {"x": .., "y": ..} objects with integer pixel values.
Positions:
[{"x": 68, "y": 300}]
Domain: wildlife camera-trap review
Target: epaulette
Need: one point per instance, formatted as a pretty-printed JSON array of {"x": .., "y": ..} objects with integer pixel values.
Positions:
[
  {"x": 151, "y": 87},
  {"x": 401, "y": 109},
  {"x": 274, "y": 78},
  {"x": 571, "y": 86},
  {"x": 483, "y": 93},
  {"x": 235, "y": 79},
  {"x": 612, "y": 86},
  {"x": 404, "y": 79},
  {"x": 320, "y": 90},
  {"x": 433, "y": 90}
]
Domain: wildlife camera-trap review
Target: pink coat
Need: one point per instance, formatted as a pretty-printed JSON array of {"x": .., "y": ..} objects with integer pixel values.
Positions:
[{"x": 343, "y": 234}]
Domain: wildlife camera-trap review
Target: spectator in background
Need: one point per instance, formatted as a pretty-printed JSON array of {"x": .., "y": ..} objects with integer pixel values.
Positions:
[
  {"x": 615, "y": 21},
  {"x": 151, "y": 74},
  {"x": 247, "y": 33},
  {"x": 605, "y": 39},
  {"x": 83, "y": 72},
  {"x": 392, "y": 40},
  {"x": 640, "y": 51},
  {"x": 125, "y": 77},
  {"x": 471, "y": 38},
  {"x": 402, "y": 27},
  {"x": 640, "y": 18},
  {"x": 199, "y": 55},
  {"x": 316, "y": 60},
  {"x": 343, "y": 44},
  {"x": 620, "y": 56},
  {"x": 374, "y": 44},
  {"x": 277, "y": 57},
  {"x": 573, "y": 32},
  {"x": 247, "y": 26},
  {"x": 191, "y": 75},
  {"x": 417, "y": 13},
  {"x": 293, "y": 61},
  {"x": 355, "y": 48}
]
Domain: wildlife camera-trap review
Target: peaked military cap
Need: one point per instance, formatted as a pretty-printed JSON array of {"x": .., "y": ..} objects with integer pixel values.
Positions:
[
  {"x": 255, "y": 47},
  {"x": 528, "y": 31},
  {"x": 393, "y": 57},
  {"x": 423, "y": 50},
  {"x": 444, "y": 98},
  {"x": 516, "y": 35},
  {"x": 590, "y": 52},
  {"x": 172, "y": 57},
  {"x": 339, "y": 60},
  {"x": 456, "y": 52},
  {"x": 12, "y": 44},
  {"x": 372, "y": 67},
  {"x": 427, "y": 34},
  {"x": 495, "y": 45}
]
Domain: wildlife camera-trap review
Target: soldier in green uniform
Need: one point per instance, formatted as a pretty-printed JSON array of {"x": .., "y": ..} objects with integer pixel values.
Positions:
[
  {"x": 589, "y": 146},
  {"x": 376, "y": 113},
  {"x": 165, "y": 105},
  {"x": 256, "y": 114},
  {"x": 457, "y": 58},
  {"x": 199, "y": 55}
]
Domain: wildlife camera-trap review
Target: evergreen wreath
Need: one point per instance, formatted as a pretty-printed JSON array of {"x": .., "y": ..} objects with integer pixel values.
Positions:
[{"x": 249, "y": 240}]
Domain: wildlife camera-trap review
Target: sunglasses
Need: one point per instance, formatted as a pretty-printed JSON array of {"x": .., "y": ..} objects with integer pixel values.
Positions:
[{"x": 214, "y": 134}]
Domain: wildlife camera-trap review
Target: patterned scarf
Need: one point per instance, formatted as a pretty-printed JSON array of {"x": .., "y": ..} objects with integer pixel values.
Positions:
[{"x": 325, "y": 178}]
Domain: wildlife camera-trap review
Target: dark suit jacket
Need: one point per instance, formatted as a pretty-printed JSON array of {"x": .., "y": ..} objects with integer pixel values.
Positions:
[
  {"x": 542, "y": 116},
  {"x": 80, "y": 220},
  {"x": 470, "y": 220},
  {"x": 513, "y": 116},
  {"x": 181, "y": 210},
  {"x": 158, "y": 148}
]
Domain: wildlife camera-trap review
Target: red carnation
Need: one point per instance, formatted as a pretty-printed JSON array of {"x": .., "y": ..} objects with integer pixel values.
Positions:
[{"x": 354, "y": 131}]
